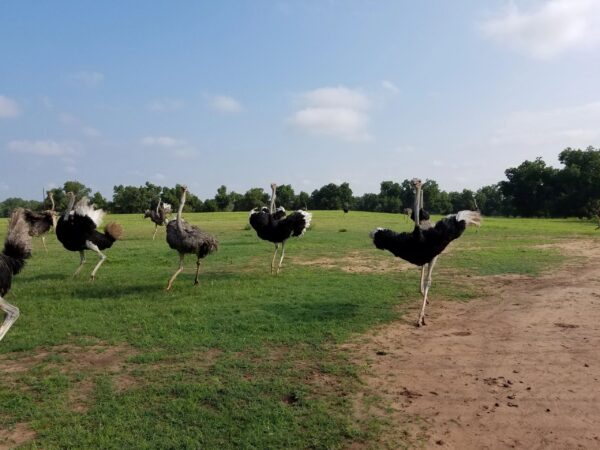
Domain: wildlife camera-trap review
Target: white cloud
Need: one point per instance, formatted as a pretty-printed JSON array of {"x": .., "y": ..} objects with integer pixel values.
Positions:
[
  {"x": 176, "y": 147},
  {"x": 72, "y": 121},
  {"x": 554, "y": 27},
  {"x": 225, "y": 104},
  {"x": 90, "y": 132},
  {"x": 88, "y": 78},
  {"x": 334, "y": 111},
  {"x": 165, "y": 105},
  {"x": 9, "y": 108},
  {"x": 43, "y": 147},
  {"x": 162, "y": 141},
  {"x": 553, "y": 129},
  {"x": 388, "y": 85}
]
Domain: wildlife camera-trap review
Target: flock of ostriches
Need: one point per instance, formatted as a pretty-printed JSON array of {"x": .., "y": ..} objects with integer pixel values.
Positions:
[{"x": 77, "y": 229}]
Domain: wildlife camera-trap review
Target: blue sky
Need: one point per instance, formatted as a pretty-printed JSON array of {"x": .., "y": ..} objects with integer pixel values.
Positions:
[{"x": 243, "y": 93}]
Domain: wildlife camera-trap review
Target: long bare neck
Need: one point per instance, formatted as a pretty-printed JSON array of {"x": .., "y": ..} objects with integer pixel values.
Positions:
[
  {"x": 180, "y": 210},
  {"x": 51, "y": 197},
  {"x": 273, "y": 195},
  {"x": 417, "y": 207},
  {"x": 69, "y": 207}
]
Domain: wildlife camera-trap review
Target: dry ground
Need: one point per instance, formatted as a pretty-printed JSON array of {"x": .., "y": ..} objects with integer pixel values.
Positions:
[{"x": 517, "y": 368}]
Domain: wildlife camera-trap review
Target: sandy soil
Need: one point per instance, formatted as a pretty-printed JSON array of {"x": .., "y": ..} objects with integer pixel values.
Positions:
[{"x": 518, "y": 368}]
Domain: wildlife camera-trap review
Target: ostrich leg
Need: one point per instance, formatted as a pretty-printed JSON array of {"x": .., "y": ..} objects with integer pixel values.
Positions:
[
  {"x": 155, "y": 230},
  {"x": 95, "y": 248},
  {"x": 273, "y": 260},
  {"x": 12, "y": 314},
  {"x": 430, "y": 265},
  {"x": 282, "y": 255},
  {"x": 44, "y": 243},
  {"x": 177, "y": 272},
  {"x": 423, "y": 278},
  {"x": 197, "y": 272},
  {"x": 81, "y": 261}
]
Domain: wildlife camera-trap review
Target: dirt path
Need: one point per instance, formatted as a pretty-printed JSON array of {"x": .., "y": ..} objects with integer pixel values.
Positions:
[{"x": 517, "y": 369}]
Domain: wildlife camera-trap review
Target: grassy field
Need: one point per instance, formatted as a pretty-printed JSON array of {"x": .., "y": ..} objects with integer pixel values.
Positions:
[{"x": 246, "y": 359}]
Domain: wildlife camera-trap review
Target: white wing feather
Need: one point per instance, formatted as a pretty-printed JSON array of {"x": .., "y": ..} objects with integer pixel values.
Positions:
[{"x": 84, "y": 208}]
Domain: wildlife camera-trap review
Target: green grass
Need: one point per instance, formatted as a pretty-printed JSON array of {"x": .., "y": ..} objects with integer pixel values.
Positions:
[{"x": 245, "y": 360}]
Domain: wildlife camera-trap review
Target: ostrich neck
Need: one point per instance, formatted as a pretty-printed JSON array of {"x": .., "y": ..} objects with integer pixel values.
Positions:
[
  {"x": 69, "y": 208},
  {"x": 51, "y": 200},
  {"x": 272, "y": 207},
  {"x": 180, "y": 210},
  {"x": 417, "y": 208}
]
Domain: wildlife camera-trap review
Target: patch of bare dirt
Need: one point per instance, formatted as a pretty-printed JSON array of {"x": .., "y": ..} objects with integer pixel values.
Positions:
[
  {"x": 357, "y": 262},
  {"x": 15, "y": 436},
  {"x": 81, "y": 364},
  {"x": 517, "y": 369}
]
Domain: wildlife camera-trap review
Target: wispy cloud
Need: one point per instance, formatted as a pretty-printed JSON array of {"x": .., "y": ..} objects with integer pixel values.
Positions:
[
  {"x": 225, "y": 104},
  {"x": 165, "y": 105},
  {"x": 179, "y": 148},
  {"x": 43, "y": 147},
  {"x": 88, "y": 78},
  {"x": 550, "y": 29},
  {"x": 388, "y": 85},
  {"x": 335, "y": 111},
  {"x": 9, "y": 108},
  {"x": 72, "y": 121},
  {"x": 162, "y": 141},
  {"x": 552, "y": 129}
]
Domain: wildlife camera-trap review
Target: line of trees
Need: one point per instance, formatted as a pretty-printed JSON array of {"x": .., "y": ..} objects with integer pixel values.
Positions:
[{"x": 533, "y": 189}]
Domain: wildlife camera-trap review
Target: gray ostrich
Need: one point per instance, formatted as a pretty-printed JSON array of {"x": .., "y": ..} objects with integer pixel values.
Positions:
[
  {"x": 40, "y": 223},
  {"x": 160, "y": 216},
  {"x": 186, "y": 238}
]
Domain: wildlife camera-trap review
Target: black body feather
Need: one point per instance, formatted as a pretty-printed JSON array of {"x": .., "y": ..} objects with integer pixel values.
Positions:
[
  {"x": 39, "y": 223},
  {"x": 278, "y": 227},
  {"x": 17, "y": 248},
  {"x": 420, "y": 246},
  {"x": 159, "y": 218},
  {"x": 74, "y": 231}
]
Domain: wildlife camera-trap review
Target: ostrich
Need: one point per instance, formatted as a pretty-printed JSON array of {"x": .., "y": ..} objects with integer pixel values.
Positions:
[
  {"x": 17, "y": 248},
  {"x": 274, "y": 226},
  {"x": 76, "y": 230},
  {"x": 407, "y": 213},
  {"x": 159, "y": 217},
  {"x": 423, "y": 246},
  {"x": 41, "y": 222},
  {"x": 186, "y": 238}
]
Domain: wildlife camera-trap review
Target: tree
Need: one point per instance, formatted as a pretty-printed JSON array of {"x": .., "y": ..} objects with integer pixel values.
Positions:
[
  {"x": 253, "y": 198},
  {"x": 222, "y": 199},
  {"x": 285, "y": 196},
  {"x": 10, "y": 204},
  {"x": 390, "y": 197},
  {"x": 530, "y": 188}
]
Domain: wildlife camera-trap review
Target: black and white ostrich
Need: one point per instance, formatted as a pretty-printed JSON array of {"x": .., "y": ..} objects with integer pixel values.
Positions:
[
  {"x": 186, "y": 238},
  {"x": 422, "y": 246},
  {"x": 77, "y": 231},
  {"x": 275, "y": 226},
  {"x": 17, "y": 248},
  {"x": 40, "y": 223},
  {"x": 159, "y": 216}
]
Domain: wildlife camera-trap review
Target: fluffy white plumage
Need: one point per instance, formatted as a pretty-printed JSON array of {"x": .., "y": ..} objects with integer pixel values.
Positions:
[
  {"x": 470, "y": 217},
  {"x": 168, "y": 208},
  {"x": 307, "y": 217},
  {"x": 84, "y": 208}
]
